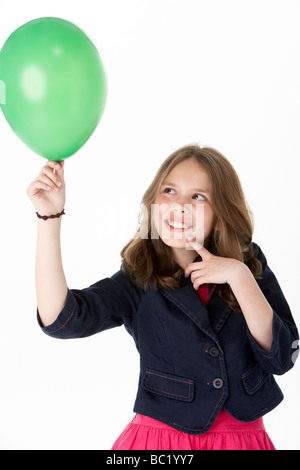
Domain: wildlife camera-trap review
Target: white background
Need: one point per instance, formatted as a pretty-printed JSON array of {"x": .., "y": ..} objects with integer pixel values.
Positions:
[{"x": 222, "y": 73}]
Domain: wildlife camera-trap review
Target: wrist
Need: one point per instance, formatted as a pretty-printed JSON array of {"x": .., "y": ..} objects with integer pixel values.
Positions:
[{"x": 238, "y": 274}]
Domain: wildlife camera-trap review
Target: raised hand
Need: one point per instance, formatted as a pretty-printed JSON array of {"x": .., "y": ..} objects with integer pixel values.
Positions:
[
  {"x": 47, "y": 191},
  {"x": 212, "y": 269}
]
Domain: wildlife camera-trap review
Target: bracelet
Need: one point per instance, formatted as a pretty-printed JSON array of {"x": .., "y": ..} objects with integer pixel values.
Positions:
[{"x": 45, "y": 217}]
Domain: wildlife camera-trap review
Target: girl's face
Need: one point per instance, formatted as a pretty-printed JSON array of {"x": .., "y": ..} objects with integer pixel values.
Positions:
[{"x": 183, "y": 208}]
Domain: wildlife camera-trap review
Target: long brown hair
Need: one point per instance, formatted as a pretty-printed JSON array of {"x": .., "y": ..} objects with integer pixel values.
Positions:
[{"x": 149, "y": 262}]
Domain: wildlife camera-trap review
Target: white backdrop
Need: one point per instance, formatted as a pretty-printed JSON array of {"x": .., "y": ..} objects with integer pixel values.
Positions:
[{"x": 222, "y": 73}]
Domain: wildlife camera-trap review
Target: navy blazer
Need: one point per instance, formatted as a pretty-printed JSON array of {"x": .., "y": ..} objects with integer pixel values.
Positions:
[{"x": 194, "y": 360}]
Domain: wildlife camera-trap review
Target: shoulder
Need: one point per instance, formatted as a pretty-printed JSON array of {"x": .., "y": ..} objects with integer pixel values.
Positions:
[
  {"x": 123, "y": 279},
  {"x": 124, "y": 284},
  {"x": 117, "y": 289},
  {"x": 258, "y": 254},
  {"x": 118, "y": 280}
]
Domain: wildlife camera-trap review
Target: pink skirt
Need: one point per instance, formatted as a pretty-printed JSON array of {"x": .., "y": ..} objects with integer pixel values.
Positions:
[{"x": 226, "y": 433}]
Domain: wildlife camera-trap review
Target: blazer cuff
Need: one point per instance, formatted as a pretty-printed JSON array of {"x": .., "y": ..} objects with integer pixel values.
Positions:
[
  {"x": 56, "y": 329},
  {"x": 278, "y": 359}
]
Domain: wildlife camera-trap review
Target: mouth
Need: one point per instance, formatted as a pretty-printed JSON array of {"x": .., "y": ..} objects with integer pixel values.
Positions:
[{"x": 177, "y": 226}]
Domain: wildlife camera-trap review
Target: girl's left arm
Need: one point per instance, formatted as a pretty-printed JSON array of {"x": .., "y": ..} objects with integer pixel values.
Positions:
[{"x": 271, "y": 328}]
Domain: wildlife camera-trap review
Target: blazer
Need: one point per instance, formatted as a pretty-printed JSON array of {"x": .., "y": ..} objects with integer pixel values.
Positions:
[{"x": 194, "y": 360}]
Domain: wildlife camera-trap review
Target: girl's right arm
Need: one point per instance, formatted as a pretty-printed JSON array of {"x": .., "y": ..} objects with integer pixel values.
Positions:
[{"x": 47, "y": 194}]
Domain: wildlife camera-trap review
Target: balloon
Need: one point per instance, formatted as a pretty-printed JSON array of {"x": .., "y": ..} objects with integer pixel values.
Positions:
[{"x": 52, "y": 86}]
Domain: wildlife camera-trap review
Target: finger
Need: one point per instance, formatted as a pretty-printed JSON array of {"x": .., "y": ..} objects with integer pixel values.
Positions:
[
  {"x": 192, "y": 267},
  {"x": 59, "y": 171},
  {"x": 43, "y": 178},
  {"x": 53, "y": 165},
  {"x": 48, "y": 172},
  {"x": 199, "y": 282},
  {"x": 200, "y": 279},
  {"x": 199, "y": 248},
  {"x": 60, "y": 166},
  {"x": 57, "y": 167},
  {"x": 36, "y": 186},
  {"x": 197, "y": 275}
]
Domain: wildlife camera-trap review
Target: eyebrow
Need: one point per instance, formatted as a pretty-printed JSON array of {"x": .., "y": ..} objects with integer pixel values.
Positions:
[{"x": 193, "y": 189}]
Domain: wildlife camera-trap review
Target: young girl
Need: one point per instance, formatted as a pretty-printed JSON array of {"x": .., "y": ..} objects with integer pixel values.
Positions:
[{"x": 206, "y": 313}]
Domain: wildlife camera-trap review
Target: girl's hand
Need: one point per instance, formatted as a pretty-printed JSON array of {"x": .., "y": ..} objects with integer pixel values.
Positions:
[
  {"x": 212, "y": 269},
  {"x": 218, "y": 270},
  {"x": 47, "y": 192}
]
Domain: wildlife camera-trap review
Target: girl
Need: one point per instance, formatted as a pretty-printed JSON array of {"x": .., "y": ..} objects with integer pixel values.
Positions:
[{"x": 207, "y": 314}]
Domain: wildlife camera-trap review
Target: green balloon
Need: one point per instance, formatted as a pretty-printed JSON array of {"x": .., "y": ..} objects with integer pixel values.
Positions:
[{"x": 52, "y": 86}]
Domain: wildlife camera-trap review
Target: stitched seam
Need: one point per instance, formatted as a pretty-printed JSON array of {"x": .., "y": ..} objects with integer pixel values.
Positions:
[
  {"x": 169, "y": 393},
  {"x": 246, "y": 374},
  {"x": 170, "y": 378},
  {"x": 61, "y": 327},
  {"x": 258, "y": 383},
  {"x": 249, "y": 372}
]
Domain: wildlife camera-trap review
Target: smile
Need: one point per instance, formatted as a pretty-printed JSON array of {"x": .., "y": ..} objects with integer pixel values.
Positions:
[{"x": 177, "y": 225}]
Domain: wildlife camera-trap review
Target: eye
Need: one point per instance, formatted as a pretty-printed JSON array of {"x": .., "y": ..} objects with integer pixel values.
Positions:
[
  {"x": 199, "y": 197},
  {"x": 169, "y": 191}
]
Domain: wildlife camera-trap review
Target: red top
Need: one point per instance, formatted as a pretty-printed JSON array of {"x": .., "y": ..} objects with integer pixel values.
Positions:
[{"x": 203, "y": 293}]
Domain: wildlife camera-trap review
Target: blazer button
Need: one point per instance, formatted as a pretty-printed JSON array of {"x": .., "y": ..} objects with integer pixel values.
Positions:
[
  {"x": 218, "y": 383},
  {"x": 213, "y": 351}
]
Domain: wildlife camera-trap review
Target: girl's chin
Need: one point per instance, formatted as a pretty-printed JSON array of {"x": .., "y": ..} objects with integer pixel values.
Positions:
[
  {"x": 176, "y": 243},
  {"x": 177, "y": 237}
]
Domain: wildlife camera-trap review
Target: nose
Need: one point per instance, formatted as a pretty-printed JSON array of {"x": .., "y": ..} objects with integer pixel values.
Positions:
[{"x": 181, "y": 208}]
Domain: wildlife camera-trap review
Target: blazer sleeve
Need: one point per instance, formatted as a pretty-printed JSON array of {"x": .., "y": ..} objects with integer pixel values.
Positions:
[
  {"x": 284, "y": 347},
  {"x": 106, "y": 304}
]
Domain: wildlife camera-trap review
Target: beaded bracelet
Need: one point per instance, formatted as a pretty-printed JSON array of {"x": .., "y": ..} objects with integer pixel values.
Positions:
[{"x": 45, "y": 217}]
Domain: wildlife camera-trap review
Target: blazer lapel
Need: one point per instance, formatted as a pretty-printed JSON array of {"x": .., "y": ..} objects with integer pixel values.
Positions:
[
  {"x": 209, "y": 319},
  {"x": 218, "y": 312},
  {"x": 187, "y": 299}
]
